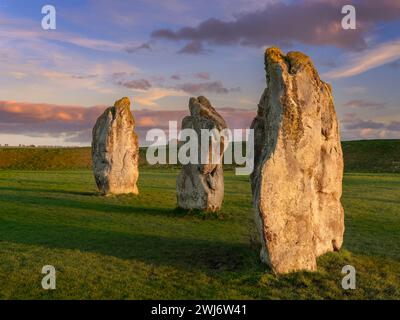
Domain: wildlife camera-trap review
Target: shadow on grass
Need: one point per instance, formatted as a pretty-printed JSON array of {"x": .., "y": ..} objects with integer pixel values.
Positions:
[
  {"x": 71, "y": 192},
  {"x": 186, "y": 252},
  {"x": 103, "y": 203},
  {"x": 205, "y": 255},
  {"x": 201, "y": 214},
  {"x": 32, "y": 181}
]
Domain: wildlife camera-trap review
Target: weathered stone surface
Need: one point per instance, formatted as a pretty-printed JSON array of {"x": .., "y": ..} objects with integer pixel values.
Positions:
[
  {"x": 297, "y": 182},
  {"x": 201, "y": 186},
  {"x": 115, "y": 150}
]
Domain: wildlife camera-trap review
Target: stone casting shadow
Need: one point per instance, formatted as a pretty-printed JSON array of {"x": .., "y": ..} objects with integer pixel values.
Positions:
[
  {"x": 205, "y": 255},
  {"x": 84, "y": 205},
  {"x": 170, "y": 250}
]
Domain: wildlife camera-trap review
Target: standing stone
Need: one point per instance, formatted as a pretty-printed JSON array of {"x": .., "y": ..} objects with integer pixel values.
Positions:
[
  {"x": 115, "y": 150},
  {"x": 297, "y": 182},
  {"x": 201, "y": 186}
]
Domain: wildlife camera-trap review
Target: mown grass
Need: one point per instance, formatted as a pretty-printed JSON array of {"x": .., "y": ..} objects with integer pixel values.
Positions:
[{"x": 128, "y": 247}]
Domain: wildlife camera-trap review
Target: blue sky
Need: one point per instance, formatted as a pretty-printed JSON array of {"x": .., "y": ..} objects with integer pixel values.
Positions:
[{"x": 54, "y": 83}]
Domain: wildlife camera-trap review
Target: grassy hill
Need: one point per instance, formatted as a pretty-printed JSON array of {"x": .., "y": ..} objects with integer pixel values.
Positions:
[
  {"x": 30, "y": 158},
  {"x": 360, "y": 156},
  {"x": 45, "y": 158},
  {"x": 372, "y": 156}
]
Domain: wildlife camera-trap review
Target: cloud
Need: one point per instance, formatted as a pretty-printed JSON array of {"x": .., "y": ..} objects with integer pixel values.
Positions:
[
  {"x": 39, "y": 119},
  {"x": 356, "y": 128},
  {"x": 176, "y": 77},
  {"x": 151, "y": 97},
  {"x": 238, "y": 118},
  {"x": 74, "y": 123},
  {"x": 364, "y": 104},
  {"x": 134, "y": 49},
  {"x": 307, "y": 21},
  {"x": 194, "y": 47},
  {"x": 49, "y": 70},
  {"x": 235, "y": 118},
  {"x": 84, "y": 76},
  {"x": 361, "y": 124},
  {"x": 210, "y": 87},
  {"x": 146, "y": 121},
  {"x": 394, "y": 126},
  {"x": 368, "y": 59},
  {"x": 62, "y": 37},
  {"x": 84, "y": 136},
  {"x": 121, "y": 74},
  {"x": 14, "y": 29},
  {"x": 141, "y": 84},
  {"x": 202, "y": 75},
  {"x": 160, "y": 91}
]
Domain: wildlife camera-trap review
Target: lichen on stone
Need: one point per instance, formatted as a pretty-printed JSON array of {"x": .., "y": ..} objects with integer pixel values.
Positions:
[
  {"x": 298, "y": 173},
  {"x": 294, "y": 60},
  {"x": 292, "y": 123},
  {"x": 201, "y": 186},
  {"x": 115, "y": 150},
  {"x": 298, "y": 61},
  {"x": 273, "y": 55},
  {"x": 122, "y": 103}
]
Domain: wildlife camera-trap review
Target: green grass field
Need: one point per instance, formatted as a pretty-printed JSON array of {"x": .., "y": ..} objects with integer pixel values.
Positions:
[{"x": 130, "y": 247}]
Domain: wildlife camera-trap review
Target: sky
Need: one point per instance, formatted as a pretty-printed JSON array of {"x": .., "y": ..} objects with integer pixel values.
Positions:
[{"x": 55, "y": 83}]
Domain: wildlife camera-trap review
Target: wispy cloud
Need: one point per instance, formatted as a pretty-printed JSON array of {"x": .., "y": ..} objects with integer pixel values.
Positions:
[
  {"x": 27, "y": 30},
  {"x": 152, "y": 96},
  {"x": 47, "y": 69},
  {"x": 359, "y": 103},
  {"x": 368, "y": 59}
]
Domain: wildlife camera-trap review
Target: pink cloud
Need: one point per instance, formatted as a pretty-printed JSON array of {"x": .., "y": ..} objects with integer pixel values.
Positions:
[
  {"x": 355, "y": 128},
  {"x": 74, "y": 123},
  {"x": 202, "y": 75},
  {"x": 359, "y": 103}
]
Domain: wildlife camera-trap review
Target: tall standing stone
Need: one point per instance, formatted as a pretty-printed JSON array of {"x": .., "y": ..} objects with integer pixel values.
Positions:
[
  {"x": 201, "y": 186},
  {"x": 115, "y": 150},
  {"x": 297, "y": 182}
]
